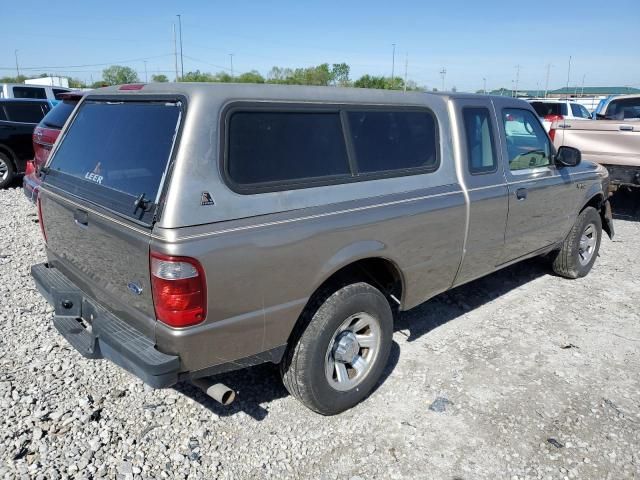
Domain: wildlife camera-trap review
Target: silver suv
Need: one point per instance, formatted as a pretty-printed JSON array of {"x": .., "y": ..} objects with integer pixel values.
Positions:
[{"x": 193, "y": 229}]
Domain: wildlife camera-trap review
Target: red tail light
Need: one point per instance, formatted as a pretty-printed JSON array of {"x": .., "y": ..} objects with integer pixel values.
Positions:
[
  {"x": 43, "y": 140},
  {"x": 553, "y": 118},
  {"x": 30, "y": 168},
  {"x": 40, "y": 221},
  {"x": 552, "y": 134},
  {"x": 179, "y": 290}
]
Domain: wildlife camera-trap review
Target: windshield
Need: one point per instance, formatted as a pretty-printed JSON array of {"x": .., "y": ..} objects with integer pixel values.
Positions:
[{"x": 120, "y": 146}]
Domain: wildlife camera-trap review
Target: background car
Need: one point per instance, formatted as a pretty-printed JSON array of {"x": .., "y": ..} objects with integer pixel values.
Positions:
[
  {"x": 44, "y": 136},
  {"x": 18, "y": 119},
  {"x": 550, "y": 110},
  {"x": 41, "y": 92}
]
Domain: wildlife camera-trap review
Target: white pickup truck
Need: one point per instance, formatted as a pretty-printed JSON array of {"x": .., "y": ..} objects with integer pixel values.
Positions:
[{"x": 612, "y": 143}]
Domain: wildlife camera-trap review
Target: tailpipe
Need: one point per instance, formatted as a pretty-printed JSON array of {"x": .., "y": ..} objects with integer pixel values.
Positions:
[{"x": 218, "y": 391}]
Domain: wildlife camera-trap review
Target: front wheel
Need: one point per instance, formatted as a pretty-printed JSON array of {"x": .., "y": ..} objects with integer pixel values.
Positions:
[
  {"x": 580, "y": 248},
  {"x": 340, "y": 350}
]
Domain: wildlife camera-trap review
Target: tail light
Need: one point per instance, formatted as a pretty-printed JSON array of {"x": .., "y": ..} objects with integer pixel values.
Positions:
[
  {"x": 30, "y": 168},
  {"x": 552, "y": 134},
  {"x": 43, "y": 140},
  {"x": 40, "y": 220},
  {"x": 553, "y": 118},
  {"x": 179, "y": 290}
]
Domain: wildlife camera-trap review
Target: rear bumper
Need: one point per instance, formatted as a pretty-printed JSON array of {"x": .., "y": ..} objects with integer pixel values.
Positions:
[
  {"x": 97, "y": 333},
  {"x": 30, "y": 186},
  {"x": 627, "y": 175}
]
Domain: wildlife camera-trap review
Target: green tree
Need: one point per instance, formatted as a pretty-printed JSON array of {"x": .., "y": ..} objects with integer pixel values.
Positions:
[
  {"x": 371, "y": 81},
  {"x": 76, "y": 83},
  {"x": 117, "y": 75},
  {"x": 159, "y": 78},
  {"x": 250, "y": 77},
  {"x": 340, "y": 74},
  {"x": 198, "y": 76},
  {"x": 18, "y": 79}
]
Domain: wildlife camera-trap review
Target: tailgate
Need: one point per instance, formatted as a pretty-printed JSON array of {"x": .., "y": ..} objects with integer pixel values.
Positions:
[{"x": 98, "y": 199}]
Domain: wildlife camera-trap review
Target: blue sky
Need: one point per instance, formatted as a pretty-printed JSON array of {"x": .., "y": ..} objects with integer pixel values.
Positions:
[{"x": 472, "y": 40}]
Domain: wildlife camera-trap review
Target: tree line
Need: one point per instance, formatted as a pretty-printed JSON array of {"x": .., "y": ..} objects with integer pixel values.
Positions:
[{"x": 337, "y": 74}]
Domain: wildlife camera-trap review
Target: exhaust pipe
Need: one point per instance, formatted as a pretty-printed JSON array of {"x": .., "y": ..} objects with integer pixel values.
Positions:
[{"x": 218, "y": 391}]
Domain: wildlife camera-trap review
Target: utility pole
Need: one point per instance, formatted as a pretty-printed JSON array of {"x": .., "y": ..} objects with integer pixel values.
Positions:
[
  {"x": 17, "y": 67},
  {"x": 582, "y": 91},
  {"x": 517, "y": 78},
  {"x": 146, "y": 78},
  {"x": 231, "y": 59},
  {"x": 443, "y": 73},
  {"x": 393, "y": 62},
  {"x": 181, "y": 59},
  {"x": 568, "y": 76},
  {"x": 484, "y": 85},
  {"x": 175, "y": 50},
  {"x": 546, "y": 85},
  {"x": 406, "y": 67}
]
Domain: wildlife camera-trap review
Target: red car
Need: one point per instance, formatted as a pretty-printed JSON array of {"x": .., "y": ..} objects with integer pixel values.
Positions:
[{"x": 44, "y": 136}]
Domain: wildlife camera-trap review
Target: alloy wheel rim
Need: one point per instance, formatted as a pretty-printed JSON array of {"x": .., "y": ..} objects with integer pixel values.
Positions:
[
  {"x": 352, "y": 352},
  {"x": 4, "y": 170},
  {"x": 587, "y": 245}
]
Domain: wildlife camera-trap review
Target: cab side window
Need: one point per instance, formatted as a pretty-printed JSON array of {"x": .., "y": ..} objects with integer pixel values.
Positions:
[
  {"x": 527, "y": 143},
  {"x": 480, "y": 147}
]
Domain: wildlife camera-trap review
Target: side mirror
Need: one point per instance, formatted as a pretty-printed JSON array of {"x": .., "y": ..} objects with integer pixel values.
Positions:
[{"x": 568, "y": 157}]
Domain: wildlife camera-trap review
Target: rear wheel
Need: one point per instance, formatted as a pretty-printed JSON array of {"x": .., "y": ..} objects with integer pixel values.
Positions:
[
  {"x": 7, "y": 171},
  {"x": 340, "y": 350},
  {"x": 580, "y": 249}
]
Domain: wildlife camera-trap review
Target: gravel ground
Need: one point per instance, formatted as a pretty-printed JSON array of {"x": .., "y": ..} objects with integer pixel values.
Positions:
[{"x": 519, "y": 375}]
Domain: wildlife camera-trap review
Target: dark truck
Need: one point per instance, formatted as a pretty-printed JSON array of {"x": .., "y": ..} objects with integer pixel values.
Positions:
[
  {"x": 193, "y": 229},
  {"x": 18, "y": 119}
]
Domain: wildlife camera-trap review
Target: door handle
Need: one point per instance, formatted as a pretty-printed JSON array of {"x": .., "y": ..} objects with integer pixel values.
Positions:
[
  {"x": 626, "y": 128},
  {"x": 521, "y": 194},
  {"x": 81, "y": 218}
]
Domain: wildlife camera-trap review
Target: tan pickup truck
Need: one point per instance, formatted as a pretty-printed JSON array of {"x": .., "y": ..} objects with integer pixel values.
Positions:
[{"x": 611, "y": 143}]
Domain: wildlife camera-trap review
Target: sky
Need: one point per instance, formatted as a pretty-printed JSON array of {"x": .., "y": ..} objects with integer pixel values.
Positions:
[{"x": 472, "y": 40}]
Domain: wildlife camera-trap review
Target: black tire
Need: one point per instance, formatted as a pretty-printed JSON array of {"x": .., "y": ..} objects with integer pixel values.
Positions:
[
  {"x": 303, "y": 366},
  {"x": 6, "y": 165},
  {"x": 567, "y": 262}
]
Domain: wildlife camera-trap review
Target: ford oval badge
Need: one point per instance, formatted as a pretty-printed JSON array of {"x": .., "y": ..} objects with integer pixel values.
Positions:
[{"x": 135, "y": 288}]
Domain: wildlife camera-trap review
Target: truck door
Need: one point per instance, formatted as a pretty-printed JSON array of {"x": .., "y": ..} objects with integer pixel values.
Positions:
[
  {"x": 484, "y": 177},
  {"x": 538, "y": 191}
]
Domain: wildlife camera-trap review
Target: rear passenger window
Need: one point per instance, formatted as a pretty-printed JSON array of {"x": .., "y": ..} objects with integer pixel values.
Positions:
[
  {"x": 29, "y": 92},
  {"x": 480, "y": 146},
  {"x": 266, "y": 147},
  {"x": 385, "y": 141},
  {"x": 25, "y": 112}
]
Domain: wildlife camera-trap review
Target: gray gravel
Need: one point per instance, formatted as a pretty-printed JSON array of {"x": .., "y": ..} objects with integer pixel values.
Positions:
[{"x": 518, "y": 375}]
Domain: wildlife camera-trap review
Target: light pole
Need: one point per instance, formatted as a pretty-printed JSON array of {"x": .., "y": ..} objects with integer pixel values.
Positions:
[
  {"x": 517, "y": 78},
  {"x": 181, "y": 59},
  {"x": 484, "y": 85},
  {"x": 17, "y": 67},
  {"x": 146, "y": 78},
  {"x": 393, "y": 62},
  {"x": 443, "y": 73},
  {"x": 546, "y": 85},
  {"x": 175, "y": 50},
  {"x": 231, "y": 60}
]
